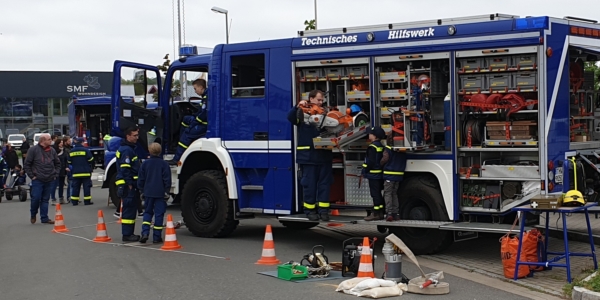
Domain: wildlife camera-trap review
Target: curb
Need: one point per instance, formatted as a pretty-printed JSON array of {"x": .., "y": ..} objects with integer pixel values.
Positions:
[{"x": 581, "y": 293}]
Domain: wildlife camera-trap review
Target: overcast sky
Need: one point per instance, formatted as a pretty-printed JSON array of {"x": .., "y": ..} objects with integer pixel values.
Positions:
[{"x": 86, "y": 35}]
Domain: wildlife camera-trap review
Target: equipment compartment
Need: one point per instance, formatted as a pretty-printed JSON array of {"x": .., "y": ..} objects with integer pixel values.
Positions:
[
  {"x": 357, "y": 72},
  {"x": 472, "y": 83},
  {"x": 387, "y": 77},
  {"x": 497, "y": 62},
  {"x": 498, "y": 82},
  {"x": 525, "y": 81},
  {"x": 357, "y": 189},
  {"x": 334, "y": 73},
  {"x": 525, "y": 61},
  {"x": 471, "y": 63},
  {"x": 312, "y": 73},
  {"x": 393, "y": 95},
  {"x": 494, "y": 169},
  {"x": 354, "y": 96}
]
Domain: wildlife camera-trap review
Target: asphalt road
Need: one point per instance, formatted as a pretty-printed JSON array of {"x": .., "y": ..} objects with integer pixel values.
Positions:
[{"x": 38, "y": 264}]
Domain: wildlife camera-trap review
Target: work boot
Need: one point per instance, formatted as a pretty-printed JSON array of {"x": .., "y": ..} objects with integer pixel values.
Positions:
[
  {"x": 324, "y": 216},
  {"x": 144, "y": 239},
  {"x": 172, "y": 162},
  {"x": 88, "y": 203},
  {"x": 48, "y": 222},
  {"x": 131, "y": 238},
  {"x": 377, "y": 215},
  {"x": 389, "y": 218},
  {"x": 32, "y": 220},
  {"x": 312, "y": 216},
  {"x": 396, "y": 217},
  {"x": 157, "y": 241}
]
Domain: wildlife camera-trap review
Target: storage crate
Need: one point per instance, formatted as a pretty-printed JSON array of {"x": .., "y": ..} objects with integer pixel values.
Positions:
[
  {"x": 392, "y": 77},
  {"x": 292, "y": 272},
  {"x": 493, "y": 169},
  {"x": 499, "y": 82},
  {"x": 334, "y": 72},
  {"x": 312, "y": 73},
  {"x": 304, "y": 96},
  {"x": 497, "y": 62},
  {"x": 358, "y": 95},
  {"x": 524, "y": 61},
  {"x": 525, "y": 81},
  {"x": 385, "y": 113},
  {"x": 471, "y": 63},
  {"x": 357, "y": 71},
  {"x": 393, "y": 95},
  {"x": 472, "y": 83}
]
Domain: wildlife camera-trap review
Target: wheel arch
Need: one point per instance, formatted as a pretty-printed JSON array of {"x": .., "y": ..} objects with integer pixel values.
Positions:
[
  {"x": 110, "y": 169},
  {"x": 439, "y": 175}
]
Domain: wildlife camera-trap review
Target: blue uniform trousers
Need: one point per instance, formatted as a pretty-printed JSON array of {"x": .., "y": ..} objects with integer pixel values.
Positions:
[
  {"x": 76, "y": 183},
  {"x": 154, "y": 207},
  {"x": 130, "y": 207},
  {"x": 375, "y": 188},
  {"x": 316, "y": 181},
  {"x": 189, "y": 136}
]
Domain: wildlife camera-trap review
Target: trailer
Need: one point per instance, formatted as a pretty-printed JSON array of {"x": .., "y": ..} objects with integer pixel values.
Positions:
[{"x": 488, "y": 108}]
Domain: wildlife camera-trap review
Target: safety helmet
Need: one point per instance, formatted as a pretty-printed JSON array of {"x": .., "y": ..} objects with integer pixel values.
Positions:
[
  {"x": 573, "y": 198},
  {"x": 354, "y": 109}
]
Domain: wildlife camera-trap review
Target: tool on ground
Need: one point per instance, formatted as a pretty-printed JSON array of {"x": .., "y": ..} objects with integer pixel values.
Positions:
[
  {"x": 393, "y": 263},
  {"x": 268, "y": 253},
  {"x": 316, "y": 262},
  {"x": 170, "y": 237},
  {"x": 59, "y": 222},
  {"x": 101, "y": 232},
  {"x": 351, "y": 255},
  {"x": 414, "y": 285}
]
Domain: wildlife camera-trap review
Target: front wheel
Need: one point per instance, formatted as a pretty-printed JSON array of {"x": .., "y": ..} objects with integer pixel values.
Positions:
[
  {"x": 421, "y": 199},
  {"x": 9, "y": 196},
  {"x": 205, "y": 205},
  {"x": 23, "y": 196}
]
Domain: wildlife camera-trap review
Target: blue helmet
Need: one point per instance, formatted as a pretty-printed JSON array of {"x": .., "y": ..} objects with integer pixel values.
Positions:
[{"x": 355, "y": 108}]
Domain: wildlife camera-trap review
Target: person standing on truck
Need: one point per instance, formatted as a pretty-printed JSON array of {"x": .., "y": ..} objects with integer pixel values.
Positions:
[
  {"x": 154, "y": 183},
  {"x": 127, "y": 174},
  {"x": 196, "y": 124},
  {"x": 80, "y": 163},
  {"x": 316, "y": 165},
  {"x": 393, "y": 163},
  {"x": 42, "y": 166},
  {"x": 373, "y": 171}
]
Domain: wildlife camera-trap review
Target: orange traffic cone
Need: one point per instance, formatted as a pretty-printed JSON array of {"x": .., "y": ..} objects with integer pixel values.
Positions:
[
  {"x": 170, "y": 237},
  {"x": 120, "y": 213},
  {"x": 335, "y": 212},
  {"x": 365, "y": 269},
  {"x": 268, "y": 252},
  {"x": 59, "y": 222},
  {"x": 101, "y": 233}
]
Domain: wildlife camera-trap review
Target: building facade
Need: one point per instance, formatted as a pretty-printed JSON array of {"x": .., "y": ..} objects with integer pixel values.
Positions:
[{"x": 37, "y": 101}]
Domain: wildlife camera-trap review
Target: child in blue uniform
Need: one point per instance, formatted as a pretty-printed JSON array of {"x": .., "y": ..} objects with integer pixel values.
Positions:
[
  {"x": 154, "y": 182},
  {"x": 373, "y": 171}
]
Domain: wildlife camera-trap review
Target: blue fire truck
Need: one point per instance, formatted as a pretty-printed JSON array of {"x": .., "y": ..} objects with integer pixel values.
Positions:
[{"x": 489, "y": 109}]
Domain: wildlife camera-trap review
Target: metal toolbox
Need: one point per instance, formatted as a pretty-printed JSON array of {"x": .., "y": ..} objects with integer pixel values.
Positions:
[
  {"x": 386, "y": 77},
  {"x": 497, "y": 62},
  {"x": 472, "y": 63},
  {"x": 357, "y": 190},
  {"x": 334, "y": 72},
  {"x": 525, "y": 81},
  {"x": 472, "y": 83},
  {"x": 493, "y": 169},
  {"x": 499, "y": 82},
  {"x": 393, "y": 95},
  {"x": 312, "y": 73},
  {"x": 358, "y": 96},
  {"x": 357, "y": 71},
  {"x": 546, "y": 201},
  {"x": 524, "y": 61}
]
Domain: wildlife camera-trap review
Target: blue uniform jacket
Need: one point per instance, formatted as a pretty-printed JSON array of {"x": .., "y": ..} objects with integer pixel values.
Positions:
[
  {"x": 3, "y": 170},
  {"x": 393, "y": 170},
  {"x": 372, "y": 166},
  {"x": 21, "y": 178},
  {"x": 154, "y": 178},
  {"x": 128, "y": 164},
  {"x": 305, "y": 150},
  {"x": 80, "y": 162}
]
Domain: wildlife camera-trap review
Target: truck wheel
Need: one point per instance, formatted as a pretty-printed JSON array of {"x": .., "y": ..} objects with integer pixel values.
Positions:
[
  {"x": 112, "y": 191},
  {"x": 298, "y": 225},
  {"x": 421, "y": 199},
  {"x": 205, "y": 205},
  {"x": 23, "y": 196}
]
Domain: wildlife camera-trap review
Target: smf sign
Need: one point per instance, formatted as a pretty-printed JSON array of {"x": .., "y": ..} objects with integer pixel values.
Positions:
[{"x": 82, "y": 90}]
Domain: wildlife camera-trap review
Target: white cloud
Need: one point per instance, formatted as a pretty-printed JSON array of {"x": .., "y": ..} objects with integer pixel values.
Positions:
[{"x": 66, "y": 35}]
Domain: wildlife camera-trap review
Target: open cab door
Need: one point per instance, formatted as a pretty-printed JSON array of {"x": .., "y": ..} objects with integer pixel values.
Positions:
[{"x": 135, "y": 89}]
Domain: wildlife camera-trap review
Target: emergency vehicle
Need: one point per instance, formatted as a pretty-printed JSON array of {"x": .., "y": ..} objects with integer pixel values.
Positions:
[{"x": 488, "y": 108}]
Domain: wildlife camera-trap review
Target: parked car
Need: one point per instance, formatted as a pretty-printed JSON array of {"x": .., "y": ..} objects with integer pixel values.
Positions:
[
  {"x": 16, "y": 140},
  {"x": 36, "y": 138}
]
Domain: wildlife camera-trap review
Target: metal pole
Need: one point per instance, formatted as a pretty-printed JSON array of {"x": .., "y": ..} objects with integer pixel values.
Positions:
[
  {"x": 315, "y": 14},
  {"x": 179, "y": 21},
  {"x": 182, "y": 88},
  {"x": 227, "y": 28}
]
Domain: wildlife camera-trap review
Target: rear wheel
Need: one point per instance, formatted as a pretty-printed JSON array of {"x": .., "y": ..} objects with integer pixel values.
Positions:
[
  {"x": 9, "y": 196},
  {"x": 112, "y": 190},
  {"x": 205, "y": 205},
  {"x": 23, "y": 196},
  {"x": 421, "y": 199},
  {"x": 298, "y": 225}
]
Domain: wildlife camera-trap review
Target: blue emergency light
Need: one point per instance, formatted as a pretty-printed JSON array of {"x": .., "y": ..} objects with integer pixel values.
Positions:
[
  {"x": 531, "y": 23},
  {"x": 188, "y": 50}
]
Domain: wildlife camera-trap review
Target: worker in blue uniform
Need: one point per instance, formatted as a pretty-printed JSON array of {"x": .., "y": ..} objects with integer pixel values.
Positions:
[
  {"x": 127, "y": 176},
  {"x": 373, "y": 171},
  {"x": 3, "y": 170},
  {"x": 80, "y": 162},
  {"x": 196, "y": 124},
  {"x": 154, "y": 183},
  {"x": 316, "y": 173}
]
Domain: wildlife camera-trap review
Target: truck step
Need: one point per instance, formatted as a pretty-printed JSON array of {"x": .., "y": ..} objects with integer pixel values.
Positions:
[
  {"x": 482, "y": 227},
  {"x": 359, "y": 220},
  {"x": 252, "y": 187}
]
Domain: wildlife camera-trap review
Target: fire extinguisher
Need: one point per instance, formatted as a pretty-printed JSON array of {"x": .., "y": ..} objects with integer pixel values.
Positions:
[{"x": 101, "y": 140}]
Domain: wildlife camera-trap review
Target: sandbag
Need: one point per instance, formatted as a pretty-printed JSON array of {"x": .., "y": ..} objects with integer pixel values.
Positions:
[
  {"x": 372, "y": 283},
  {"x": 350, "y": 283},
  {"x": 532, "y": 241}
]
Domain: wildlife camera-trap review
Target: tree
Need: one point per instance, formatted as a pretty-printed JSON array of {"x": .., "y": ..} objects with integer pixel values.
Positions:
[
  {"x": 310, "y": 25},
  {"x": 593, "y": 66},
  {"x": 176, "y": 86}
]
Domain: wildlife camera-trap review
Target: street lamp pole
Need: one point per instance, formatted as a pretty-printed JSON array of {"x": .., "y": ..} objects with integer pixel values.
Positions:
[
  {"x": 315, "y": 14},
  {"x": 225, "y": 12}
]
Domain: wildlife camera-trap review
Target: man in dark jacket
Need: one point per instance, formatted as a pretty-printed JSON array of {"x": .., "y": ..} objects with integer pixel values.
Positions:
[
  {"x": 155, "y": 183},
  {"x": 42, "y": 166},
  {"x": 11, "y": 156},
  {"x": 128, "y": 165},
  {"x": 315, "y": 164}
]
